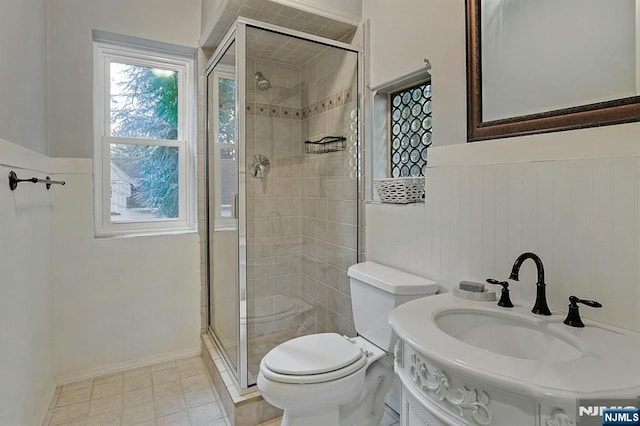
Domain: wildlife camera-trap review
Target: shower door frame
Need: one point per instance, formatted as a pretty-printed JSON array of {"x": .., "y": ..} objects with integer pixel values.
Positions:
[{"x": 238, "y": 33}]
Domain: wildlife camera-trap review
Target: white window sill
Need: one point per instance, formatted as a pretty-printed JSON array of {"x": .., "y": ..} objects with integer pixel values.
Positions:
[{"x": 163, "y": 233}]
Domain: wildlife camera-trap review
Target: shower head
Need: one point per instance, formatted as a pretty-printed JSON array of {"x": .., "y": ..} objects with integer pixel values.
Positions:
[{"x": 261, "y": 82}]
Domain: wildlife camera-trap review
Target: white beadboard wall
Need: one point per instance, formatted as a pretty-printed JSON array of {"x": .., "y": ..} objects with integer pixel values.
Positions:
[
  {"x": 579, "y": 215},
  {"x": 26, "y": 288}
]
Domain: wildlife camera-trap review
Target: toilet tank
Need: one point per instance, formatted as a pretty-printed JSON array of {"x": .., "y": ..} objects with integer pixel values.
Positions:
[{"x": 376, "y": 290}]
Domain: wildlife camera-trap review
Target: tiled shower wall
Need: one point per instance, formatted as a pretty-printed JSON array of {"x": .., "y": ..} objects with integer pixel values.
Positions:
[
  {"x": 273, "y": 209},
  {"x": 582, "y": 217},
  {"x": 329, "y": 222}
]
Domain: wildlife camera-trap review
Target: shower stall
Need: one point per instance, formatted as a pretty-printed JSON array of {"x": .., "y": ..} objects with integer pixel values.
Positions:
[{"x": 283, "y": 181}]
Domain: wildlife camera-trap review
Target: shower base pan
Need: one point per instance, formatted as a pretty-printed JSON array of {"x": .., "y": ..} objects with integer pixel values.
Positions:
[{"x": 248, "y": 409}]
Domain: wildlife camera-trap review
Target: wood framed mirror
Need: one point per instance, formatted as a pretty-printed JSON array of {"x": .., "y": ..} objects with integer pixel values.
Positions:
[{"x": 503, "y": 97}]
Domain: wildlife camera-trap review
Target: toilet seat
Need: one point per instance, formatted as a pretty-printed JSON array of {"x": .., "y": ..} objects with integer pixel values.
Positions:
[{"x": 314, "y": 358}]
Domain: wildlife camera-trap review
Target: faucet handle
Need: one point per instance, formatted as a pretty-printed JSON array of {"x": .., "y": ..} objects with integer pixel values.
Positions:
[
  {"x": 505, "y": 300},
  {"x": 573, "y": 316},
  {"x": 592, "y": 303},
  {"x": 504, "y": 284}
]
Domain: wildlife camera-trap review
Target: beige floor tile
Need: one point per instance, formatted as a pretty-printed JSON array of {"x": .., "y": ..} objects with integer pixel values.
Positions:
[
  {"x": 274, "y": 422},
  {"x": 191, "y": 370},
  {"x": 180, "y": 418},
  {"x": 110, "y": 378},
  {"x": 205, "y": 414},
  {"x": 137, "y": 371},
  {"x": 139, "y": 381},
  {"x": 74, "y": 396},
  {"x": 105, "y": 405},
  {"x": 107, "y": 419},
  {"x": 147, "y": 423},
  {"x": 77, "y": 385},
  {"x": 220, "y": 422},
  {"x": 139, "y": 414},
  {"x": 137, "y": 397},
  {"x": 145, "y": 396},
  {"x": 70, "y": 413},
  {"x": 189, "y": 361},
  {"x": 102, "y": 390},
  {"x": 199, "y": 397},
  {"x": 163, "y": 365},
  {"x": 167, "y": 390},
  {"x": 167, "y": 406},
  {"x": 165, "y": 375},
  {"x": 195, "y": 382}
]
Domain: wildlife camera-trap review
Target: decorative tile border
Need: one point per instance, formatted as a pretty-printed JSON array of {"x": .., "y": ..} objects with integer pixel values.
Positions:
[{"x": 334, "y": 100}]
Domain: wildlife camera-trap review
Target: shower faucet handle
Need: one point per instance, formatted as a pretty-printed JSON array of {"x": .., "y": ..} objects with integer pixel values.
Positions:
[{"x": 260, "y": 166}]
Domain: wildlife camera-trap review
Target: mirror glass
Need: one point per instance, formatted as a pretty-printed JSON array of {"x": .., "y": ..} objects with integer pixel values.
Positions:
[{"x": 534, "y": 64}]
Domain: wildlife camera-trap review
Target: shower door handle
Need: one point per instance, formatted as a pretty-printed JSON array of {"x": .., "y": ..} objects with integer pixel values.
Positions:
[{"x": 234, "y": 205}]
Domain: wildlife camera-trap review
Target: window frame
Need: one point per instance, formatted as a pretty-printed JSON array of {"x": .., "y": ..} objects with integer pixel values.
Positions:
[{"x": 106, "y": 52}]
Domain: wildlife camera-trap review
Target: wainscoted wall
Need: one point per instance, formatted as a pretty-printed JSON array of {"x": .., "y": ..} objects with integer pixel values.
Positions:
[
  {"x": 26, "y": 299},
  {"x": 118, "y": 300},
  {"x": 580, "y": 215},
  {"x": 571, "y": 197}
]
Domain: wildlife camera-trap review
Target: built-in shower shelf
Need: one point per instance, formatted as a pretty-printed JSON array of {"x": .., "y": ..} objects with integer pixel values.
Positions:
[{"x": 326, "y": 144}]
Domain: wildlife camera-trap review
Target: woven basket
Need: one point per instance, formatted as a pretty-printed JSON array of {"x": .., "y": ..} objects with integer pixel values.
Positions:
[{"x": 403, "y": 190}]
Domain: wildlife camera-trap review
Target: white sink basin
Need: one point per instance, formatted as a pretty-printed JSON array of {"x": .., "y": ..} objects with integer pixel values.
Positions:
[
  {"x": 516, "y": 349},
  {"x": 506, "y": 334}
]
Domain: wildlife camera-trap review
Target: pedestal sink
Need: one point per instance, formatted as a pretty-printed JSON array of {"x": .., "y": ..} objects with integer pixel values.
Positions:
[
  {"x": 464, "y": 362},
  {"x": 507, "y": 334}
]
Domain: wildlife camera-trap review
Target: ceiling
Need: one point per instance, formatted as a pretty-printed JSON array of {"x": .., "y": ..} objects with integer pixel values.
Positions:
[{"x": 278, "y": 14}]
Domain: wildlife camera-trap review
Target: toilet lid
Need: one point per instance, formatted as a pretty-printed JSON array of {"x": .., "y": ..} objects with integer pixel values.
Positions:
[{"x": 312, "y": 354}]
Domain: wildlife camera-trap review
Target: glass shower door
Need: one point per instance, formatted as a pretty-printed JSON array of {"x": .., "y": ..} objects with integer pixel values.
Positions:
[
  {"x": 282, "y": 214},
  {"x": 222, "y": 214}
]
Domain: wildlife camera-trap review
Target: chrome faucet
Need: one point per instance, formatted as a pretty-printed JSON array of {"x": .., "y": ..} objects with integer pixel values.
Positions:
[{"x": 540, "y": 307}]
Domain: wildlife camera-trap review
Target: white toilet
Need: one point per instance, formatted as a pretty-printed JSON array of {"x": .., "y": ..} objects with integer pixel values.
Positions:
[{"x": 328, "y": 380}]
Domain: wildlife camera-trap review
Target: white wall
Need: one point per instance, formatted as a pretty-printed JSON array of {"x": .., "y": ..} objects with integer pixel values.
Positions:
[
  {"x": 571, "y": 197},
  {"x": 22, "y": 74},
  {"x": 117, "y": 301},
  {"x": 26, "y": 301},
  {"x": 70, "y": 60},
  {"x": 403, "y": 34}
]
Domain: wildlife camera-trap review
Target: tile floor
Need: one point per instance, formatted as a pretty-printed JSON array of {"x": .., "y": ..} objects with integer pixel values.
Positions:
[
  {"x": 173, "y": 393},
  {"x": 390, "y": 419}
]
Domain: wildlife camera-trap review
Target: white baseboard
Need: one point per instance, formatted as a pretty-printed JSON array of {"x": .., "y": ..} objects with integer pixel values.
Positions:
[
  {"x": 45, "y": 403},
  {"x": 76, "y": 376}
]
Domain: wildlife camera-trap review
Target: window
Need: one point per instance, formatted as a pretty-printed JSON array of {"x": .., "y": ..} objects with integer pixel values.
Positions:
[
  {"x": 143, "y": 153},
  {"x": 410, "y": 125}
]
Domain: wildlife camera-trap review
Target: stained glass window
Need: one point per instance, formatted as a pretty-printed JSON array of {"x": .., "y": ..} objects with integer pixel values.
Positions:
[{"x": 410, "y": 130}]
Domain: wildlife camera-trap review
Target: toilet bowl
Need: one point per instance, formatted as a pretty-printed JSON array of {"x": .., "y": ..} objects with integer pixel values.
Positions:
[
  {"x": 326, "y": 379},
  {"x": 312, "y": 376}
]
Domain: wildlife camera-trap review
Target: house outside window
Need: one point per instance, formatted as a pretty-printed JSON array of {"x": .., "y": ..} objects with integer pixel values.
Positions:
[
  {"x": 410, "y": 127},
  {"x": 143, "y": 149}
]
